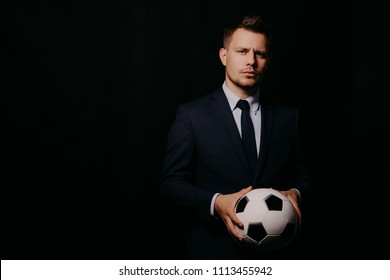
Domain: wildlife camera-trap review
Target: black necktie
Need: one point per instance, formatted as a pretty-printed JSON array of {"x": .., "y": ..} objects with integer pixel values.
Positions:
[{"x": 248, "y": 134}]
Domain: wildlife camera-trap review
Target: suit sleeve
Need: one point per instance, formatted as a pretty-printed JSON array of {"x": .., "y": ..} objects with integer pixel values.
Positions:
[{"x": 178, "y": 183}]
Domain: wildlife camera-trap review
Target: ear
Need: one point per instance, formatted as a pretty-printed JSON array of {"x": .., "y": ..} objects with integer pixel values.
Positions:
[{"x": 222, "y": 55}]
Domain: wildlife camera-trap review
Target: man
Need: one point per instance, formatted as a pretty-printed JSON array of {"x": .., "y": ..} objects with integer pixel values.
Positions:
[{"x": 207, "y": 167}]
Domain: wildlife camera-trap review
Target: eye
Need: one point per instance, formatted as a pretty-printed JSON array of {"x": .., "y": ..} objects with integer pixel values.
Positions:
[{"x": 261, "y": 54}]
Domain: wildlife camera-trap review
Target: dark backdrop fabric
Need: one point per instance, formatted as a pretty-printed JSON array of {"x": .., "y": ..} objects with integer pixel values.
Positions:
[{"x": 90, "y": 88}]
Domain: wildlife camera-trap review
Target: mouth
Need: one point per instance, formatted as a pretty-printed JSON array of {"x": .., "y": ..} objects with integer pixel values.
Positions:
[{"x": 249, "y": 73}]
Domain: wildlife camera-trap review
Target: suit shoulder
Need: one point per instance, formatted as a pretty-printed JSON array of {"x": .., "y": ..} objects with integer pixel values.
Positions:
[{"x": 199, "y": 102}]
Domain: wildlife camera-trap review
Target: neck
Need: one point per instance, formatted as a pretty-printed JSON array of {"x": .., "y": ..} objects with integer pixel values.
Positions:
[{"x": 242, "y": 93}]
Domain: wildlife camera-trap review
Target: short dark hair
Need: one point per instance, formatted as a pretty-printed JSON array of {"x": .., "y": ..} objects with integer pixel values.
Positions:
[{"x": 254, "y": 23}]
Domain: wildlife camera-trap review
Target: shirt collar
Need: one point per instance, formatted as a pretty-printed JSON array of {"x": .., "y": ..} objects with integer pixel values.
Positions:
[{"x": 233, "y": 99}]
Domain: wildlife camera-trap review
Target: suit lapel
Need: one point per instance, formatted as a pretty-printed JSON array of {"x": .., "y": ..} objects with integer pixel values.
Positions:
[
  {"x": 267, "y": 117},
  {"x": 227, "y": 121}
]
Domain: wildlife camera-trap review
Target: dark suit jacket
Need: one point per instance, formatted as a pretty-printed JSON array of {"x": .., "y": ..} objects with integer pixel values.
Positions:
[{"x": 205, "y": 155}]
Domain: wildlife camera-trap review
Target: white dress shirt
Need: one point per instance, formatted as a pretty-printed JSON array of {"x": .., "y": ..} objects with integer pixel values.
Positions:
[{"x": 255, "y": 114}]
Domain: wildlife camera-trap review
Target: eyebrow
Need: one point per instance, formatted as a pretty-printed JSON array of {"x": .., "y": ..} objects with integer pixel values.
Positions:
[{"x": 256, "y": 51}]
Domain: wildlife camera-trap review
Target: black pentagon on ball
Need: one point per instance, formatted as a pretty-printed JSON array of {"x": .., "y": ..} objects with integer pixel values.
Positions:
[
  {"x": 242, "y": 204},
  {"x": 274, "y": 203},
  {"x": 256, "y": 231}
]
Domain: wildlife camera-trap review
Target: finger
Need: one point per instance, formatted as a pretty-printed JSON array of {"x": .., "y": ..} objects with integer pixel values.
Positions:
[
  {"x": 297, "y": 210},
  {"x": 232, "y": 228},
  {"x": 234, "y": 219},
  {"x": 245, "y": 190},
  {"x": 299, "y": 215}
]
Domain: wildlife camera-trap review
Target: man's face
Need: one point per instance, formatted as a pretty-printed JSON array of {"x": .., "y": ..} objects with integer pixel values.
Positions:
[{"x": 245, "y": 58}]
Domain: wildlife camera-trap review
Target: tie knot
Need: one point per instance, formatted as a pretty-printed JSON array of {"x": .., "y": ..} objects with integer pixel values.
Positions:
[{"x": 243, "y": 104}]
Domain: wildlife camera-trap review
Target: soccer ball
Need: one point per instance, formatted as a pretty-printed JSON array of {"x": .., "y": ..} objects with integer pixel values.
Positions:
[{"x": 269, "y": 218}]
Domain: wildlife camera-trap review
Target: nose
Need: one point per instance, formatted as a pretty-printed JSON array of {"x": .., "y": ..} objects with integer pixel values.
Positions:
[{"x": 251, "y": 58}]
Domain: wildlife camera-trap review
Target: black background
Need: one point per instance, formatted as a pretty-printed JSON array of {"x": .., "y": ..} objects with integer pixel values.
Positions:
[{"x": 89, "y": 90}]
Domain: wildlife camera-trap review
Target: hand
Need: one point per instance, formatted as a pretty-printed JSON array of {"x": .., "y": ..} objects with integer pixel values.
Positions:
[
  {"x": 224, "y": 206},
  {"x": 293, "y": 196}
]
